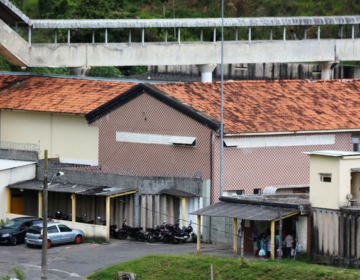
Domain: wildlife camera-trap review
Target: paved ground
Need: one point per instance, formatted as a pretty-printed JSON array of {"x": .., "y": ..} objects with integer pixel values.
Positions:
[{"x": 75, "y": 262}]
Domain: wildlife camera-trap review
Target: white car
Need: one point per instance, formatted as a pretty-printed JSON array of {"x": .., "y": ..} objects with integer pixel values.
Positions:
[{"x": 58, "y": 233}]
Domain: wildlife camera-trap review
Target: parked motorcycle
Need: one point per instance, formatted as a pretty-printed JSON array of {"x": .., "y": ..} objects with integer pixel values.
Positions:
[
  {"x": 175, "y": 234},
  {"x": 113, "y": 228},
  {"x": 82, "y": 219},
  {"x": 155, "y": 234},
  {"x": 60, "y": 216},
  {"x": 133, "y": 232}
]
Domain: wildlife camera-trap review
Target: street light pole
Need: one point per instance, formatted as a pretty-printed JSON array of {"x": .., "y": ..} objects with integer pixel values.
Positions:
[{"x": 44, "y": 266}]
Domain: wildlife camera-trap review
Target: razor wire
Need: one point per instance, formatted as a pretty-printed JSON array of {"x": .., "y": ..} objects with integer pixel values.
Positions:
[{"x": 6, "y": 145}]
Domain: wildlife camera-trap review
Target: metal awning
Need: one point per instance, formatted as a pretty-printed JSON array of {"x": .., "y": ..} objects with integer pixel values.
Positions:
[
  {"x": 182, "y": 140},
  {"x": 244, "y": 211},
  {"x": 231, "y": 142},
  {"x": 177, "y": 193},
  {"x": 73, "y": 188}
]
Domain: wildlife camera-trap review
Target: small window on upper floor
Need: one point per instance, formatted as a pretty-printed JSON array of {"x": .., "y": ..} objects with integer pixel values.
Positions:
[
  {"x": 355, "y": 138},
  {"x": 257, "y": 191},
  {"x": 234, "y": 193},
  {"x": 325, "y": 177}
]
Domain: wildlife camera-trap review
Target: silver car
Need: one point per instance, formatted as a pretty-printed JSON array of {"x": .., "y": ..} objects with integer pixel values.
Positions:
[{"x": 57, "y": 234}]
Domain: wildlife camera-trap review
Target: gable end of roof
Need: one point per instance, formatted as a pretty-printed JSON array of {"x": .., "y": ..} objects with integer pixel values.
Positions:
[{"x": 159, "y": 95}]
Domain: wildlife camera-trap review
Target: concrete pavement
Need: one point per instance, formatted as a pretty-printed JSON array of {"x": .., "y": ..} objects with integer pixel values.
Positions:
[{"x": 75, "y": 262}]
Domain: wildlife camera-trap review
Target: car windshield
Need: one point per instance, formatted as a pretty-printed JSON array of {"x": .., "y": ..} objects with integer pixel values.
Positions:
[
  {"x": 35, "y": 229},
  {"x": 12, "y": 224}
]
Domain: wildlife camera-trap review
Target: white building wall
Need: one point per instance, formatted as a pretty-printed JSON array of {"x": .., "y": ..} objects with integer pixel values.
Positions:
[
  {"x": 67, "y": 137},
  {"x": 16, "y": 171}
]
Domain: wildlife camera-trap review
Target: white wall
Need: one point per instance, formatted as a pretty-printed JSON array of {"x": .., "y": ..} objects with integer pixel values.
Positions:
[
  {"x": 11, "y": 176},
  {"x": 68, "y": 137}
]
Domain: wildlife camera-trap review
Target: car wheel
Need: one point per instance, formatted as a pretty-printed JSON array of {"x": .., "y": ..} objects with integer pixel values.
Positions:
[
  {"x": 140, "y": 237},
  {"x": 48, "y": 243},
  {"x": 78, "y": 239},
  {"x": 122, "y": 235},
  {"x": 150, "y": 238},
  {"x": 13, "y": 241}
]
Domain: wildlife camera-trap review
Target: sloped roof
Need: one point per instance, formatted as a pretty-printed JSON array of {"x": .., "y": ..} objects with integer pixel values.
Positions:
[
  {"x": 57, "y": 95},
  {"x": 249, "y": 106}
]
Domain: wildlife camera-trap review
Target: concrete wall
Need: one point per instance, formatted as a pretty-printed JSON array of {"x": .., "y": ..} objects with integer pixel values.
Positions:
[
  {"x": 250, "y": 168},
  {"x": 12, "y": 176},
  {"x": 19, "y": 155},
  {"x": 130, "y": 206},
  {"x": 147, "y": 115},
  {"x": 252, "y": 71},
  {"x": 341, "y": 180},
  {"x": 67, "y": 137},
  {"x": 336, "y": 233}
]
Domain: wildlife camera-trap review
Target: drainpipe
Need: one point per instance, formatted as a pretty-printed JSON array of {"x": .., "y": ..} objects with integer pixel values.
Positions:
[{"x": 206, "y": 72}]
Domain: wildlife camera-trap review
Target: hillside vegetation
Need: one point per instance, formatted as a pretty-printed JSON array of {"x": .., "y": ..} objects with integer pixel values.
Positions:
[{"x": 146, "y": 9}]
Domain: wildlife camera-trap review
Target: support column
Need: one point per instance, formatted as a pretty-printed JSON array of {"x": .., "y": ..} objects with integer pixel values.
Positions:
[
  {"x": 198, "y": 246},
  {"x": 272, "y": 232},
  {"x": 107, "y": 229},
  {"x": 206, "y": 72},
  {"x": 73, "y": 208},
  {"x": 40, "y": 204},
  {"x": 327, "y": 68},
  {"x": 143, "y": 211},
  {"x": 183, "y": 200},
  {"x": 8, "y": 200},
  {"x": 235, "y": 237},
  {"x": 163, "y": 216},
  {"x": 80, "y": 71},
  {"x": 157, "y": 216}
]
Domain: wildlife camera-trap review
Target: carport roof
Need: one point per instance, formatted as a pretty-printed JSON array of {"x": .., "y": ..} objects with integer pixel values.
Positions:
[
  {"x": 177, "y": 193},
  {"x": 244, "y": 211},
  {"x": 72, "y": 188}
]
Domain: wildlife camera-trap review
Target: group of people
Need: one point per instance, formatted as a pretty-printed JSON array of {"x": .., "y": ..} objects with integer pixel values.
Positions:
[{"x": 262, "y": 243}]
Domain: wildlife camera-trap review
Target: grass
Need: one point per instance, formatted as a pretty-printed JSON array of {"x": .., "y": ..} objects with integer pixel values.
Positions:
[{"x": 199, "y": 267}]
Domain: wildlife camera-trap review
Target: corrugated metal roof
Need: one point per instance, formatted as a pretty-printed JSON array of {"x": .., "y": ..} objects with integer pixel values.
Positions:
[
  {"x": 177, "y": 193},
  {"x": 195, "y": 22},
  {"x": 333, "y": 153},
  {"x": 71, "y": 188},
  {"x": 244, "y": 211}
]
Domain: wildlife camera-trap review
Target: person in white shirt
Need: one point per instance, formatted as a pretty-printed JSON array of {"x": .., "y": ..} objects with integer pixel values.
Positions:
[{"x": 289, "y": 240}]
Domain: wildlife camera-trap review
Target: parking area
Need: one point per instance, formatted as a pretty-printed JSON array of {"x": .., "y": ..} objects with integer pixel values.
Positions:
[{"x": 72, "y": 261}]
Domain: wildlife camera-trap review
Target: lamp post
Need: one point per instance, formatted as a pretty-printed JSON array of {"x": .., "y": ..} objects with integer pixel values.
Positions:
[{"x": 44, "y": 268}]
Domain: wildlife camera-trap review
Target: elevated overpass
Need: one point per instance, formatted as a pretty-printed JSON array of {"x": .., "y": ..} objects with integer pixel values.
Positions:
[{"x": 205, "y": 54}]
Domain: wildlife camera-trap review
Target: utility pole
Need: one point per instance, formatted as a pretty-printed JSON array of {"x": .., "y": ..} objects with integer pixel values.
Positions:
[{"x": 44, "y": 266}]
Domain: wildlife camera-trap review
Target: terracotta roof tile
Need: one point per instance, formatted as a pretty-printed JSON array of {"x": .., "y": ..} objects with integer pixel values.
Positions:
[
  {"x": 58, "y": 95},
  {"x": 274, "y": 106},
  {"x": 249, "y": 106}
]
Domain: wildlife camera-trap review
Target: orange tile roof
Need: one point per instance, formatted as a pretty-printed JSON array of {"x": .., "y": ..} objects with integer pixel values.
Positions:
[
  {"x": 275, "y": 106},
  {"x": 58, "y": 95},
  {"x": 249, "y": 106}
]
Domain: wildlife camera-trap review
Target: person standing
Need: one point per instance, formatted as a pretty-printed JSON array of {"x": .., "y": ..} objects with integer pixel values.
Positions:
[
  {"x": 292, "y": 34},
  {"x": 289, "y": 240},
  {"x": 255, "y": 241}
]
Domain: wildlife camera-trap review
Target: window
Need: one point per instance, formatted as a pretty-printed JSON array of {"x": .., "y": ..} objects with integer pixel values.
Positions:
[
  {"x": 356, "y": 141},
  {"x": 325, "y": 177},
  {"x": 64, "y": 228},
  {"x": 53, "y": 229},
  {"x": 257, "y": 191},
  {"x": 234, "y": 193}
]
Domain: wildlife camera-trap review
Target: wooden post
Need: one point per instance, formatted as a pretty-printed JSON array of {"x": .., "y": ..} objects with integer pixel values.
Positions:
[{"x": 198, "y": 234}]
